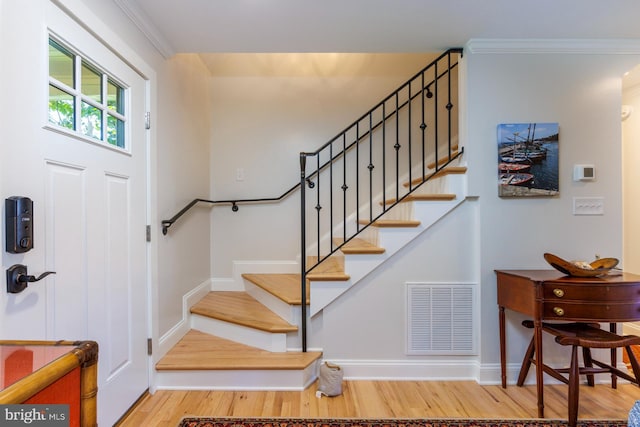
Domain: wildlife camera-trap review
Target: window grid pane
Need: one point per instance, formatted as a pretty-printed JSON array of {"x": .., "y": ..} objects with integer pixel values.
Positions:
[
  {"x": 91, "y": 121},
  {"x": 61, "y": 108},
  {"x": 115, "y": 97},
  {"x": 91, "y": 85},
  {"x": 115, "y": 131},
  {"x": 61, "y": 64}
]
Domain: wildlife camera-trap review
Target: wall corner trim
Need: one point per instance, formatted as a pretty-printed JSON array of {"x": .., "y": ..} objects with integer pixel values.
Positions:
[
  {"x": 562, "y": 46},
  {"x": 150, "y": 31}
]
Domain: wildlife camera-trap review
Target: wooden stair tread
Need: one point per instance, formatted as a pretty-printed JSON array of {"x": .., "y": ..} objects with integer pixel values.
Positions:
[
  {"x": 423, "y": 198},
  {"x": 200, "y": 351},
  {"x": 358, "y": 246},
  {"x": 333, "y": 264},
  {"x": 330, "y": 269},
  {"x": 442, "y": 172},
  {"x": 327, "y": 277},
  {"x": 392, "y": 223},
  {"x": 241, "y": 308},
  {"x": 283, "y": 286}
]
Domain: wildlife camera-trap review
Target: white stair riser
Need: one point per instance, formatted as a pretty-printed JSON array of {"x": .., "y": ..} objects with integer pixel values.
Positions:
[
  {"x": 294, "y": 380},
  {"x": 273, "y": 303},
  {"x": 275, "y": 342}
]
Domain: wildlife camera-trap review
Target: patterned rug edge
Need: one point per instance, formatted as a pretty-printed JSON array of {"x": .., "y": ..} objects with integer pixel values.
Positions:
[{"x": 192, "y": 421}]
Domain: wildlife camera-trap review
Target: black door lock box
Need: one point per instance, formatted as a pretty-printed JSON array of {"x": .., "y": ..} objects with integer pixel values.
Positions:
[{"x": 19, "y": 224}]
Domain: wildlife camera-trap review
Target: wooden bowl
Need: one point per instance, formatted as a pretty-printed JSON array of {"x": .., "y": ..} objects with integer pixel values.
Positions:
[{"x": 599, "y": 267}]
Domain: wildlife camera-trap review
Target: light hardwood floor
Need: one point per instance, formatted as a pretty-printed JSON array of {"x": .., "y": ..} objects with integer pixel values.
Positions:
[{"x": 385, "y": 399}]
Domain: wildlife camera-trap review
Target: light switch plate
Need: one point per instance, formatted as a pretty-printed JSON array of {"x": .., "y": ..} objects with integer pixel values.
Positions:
[{"x": 588, "y": 205}]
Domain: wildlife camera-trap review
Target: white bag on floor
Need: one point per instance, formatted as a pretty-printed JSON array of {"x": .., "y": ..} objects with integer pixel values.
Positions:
[{"x": 330, "y": 380}]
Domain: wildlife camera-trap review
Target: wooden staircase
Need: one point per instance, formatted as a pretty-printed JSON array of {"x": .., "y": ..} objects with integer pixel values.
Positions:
[
  {"x": 238, "y": 342},
  {"x": 248, "y": 340}
]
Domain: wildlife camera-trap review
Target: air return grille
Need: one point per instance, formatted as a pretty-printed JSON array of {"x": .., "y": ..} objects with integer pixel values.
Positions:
[{"x": 441, "y": 319}]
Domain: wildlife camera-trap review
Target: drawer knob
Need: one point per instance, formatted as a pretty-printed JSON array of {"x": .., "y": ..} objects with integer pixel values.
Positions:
[
  {"x": 558, "y": 311},
  {"x": 558, "y": 292}
]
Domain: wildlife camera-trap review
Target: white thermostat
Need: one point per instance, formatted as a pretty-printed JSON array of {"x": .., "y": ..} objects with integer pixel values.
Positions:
[{"x": 584, "y": 172}]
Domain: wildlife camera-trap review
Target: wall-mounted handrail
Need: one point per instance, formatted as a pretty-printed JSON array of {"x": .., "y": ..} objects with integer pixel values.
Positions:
[{"x": 166, "y": 223}]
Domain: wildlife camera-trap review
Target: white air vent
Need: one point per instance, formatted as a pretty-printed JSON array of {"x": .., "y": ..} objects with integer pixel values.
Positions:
[{"x": 440, "y": 319}]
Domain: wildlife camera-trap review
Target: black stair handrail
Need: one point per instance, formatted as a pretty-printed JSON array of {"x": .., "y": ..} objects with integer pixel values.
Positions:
[
  {"x": 348, "y": 193},
  {"x": 166, "y": 223}
]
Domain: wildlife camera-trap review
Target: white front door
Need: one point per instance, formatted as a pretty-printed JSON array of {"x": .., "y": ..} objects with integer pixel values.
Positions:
[{"x": 90, "y": 202}]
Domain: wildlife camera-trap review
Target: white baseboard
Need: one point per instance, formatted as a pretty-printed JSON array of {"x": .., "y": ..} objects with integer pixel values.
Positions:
[
  {"x": 171, "y": 337},
  {"x": 236, "y": 282},
  {"x": 400, "y": 370}
]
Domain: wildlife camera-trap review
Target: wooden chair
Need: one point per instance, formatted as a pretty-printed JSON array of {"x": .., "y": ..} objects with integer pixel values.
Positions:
[{"x": 586, "y": 336}]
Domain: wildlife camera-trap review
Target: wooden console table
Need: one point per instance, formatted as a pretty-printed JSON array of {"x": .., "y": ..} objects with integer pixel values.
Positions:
[
  {"x": 550, "y": 295},
  {"x": 51, "y": 372}
]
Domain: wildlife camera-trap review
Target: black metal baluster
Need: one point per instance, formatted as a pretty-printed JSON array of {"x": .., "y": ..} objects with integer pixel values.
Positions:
[
  {"x": 344, "y": 186},
  {"x": 303, "y": 251},
  {"x": 384, "y": 156},
  {"x": 409, "y": 137},
  {"x": 423, "y": 126},
  {"x": 449, "y": 104},
  {"x": 331, "y": 200},
  {"x": 370, "y": 167},
  {"x": 435, "y": 114},
  {"x": 358, "y": 176},
  {"x": 397, "y": 148},
  {"x": 318, "y": 208}
]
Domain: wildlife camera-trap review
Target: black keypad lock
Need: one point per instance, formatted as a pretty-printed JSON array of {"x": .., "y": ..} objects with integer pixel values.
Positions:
[{"x": 19, "y": 224}]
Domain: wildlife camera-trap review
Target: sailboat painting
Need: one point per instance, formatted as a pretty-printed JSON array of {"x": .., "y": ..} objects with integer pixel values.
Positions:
[{"x": 528, "y": 159}]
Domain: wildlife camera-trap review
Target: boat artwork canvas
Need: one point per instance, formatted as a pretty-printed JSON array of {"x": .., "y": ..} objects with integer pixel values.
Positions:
[{"x": 528, "y": 159}]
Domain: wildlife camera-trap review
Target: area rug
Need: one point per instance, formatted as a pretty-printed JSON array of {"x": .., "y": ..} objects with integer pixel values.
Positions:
[{"x": 347, "y": 422}]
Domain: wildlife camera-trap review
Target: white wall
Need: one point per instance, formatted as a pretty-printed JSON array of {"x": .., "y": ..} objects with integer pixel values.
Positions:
[
  {"x": 183, "y": 136},
  {"x": 267, "y": 108},
  {"x": 365, "y": 329},
  {"x": 631, "y": 174},
  {"x": 630, "y": 159},
  {"x": 582, "y": 92}
]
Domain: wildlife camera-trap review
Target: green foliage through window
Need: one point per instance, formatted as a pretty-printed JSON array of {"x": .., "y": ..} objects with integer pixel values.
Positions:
[{"x": 84, "y": 99}]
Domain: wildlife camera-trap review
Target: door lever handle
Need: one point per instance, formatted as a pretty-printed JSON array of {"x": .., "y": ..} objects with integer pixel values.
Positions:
[
  {"x": 18, "y": 279},
  {"x": 23, "y": 278}
]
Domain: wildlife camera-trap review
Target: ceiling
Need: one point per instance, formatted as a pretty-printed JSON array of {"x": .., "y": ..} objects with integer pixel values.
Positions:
[{"x": 251, "y": 26}]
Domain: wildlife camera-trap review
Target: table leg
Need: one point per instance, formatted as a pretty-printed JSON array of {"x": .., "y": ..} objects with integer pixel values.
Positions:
[
  {"x": 613, "y": 328},
  {"x": 503, "y": 351},
  {"x": 537, "y": 331}
]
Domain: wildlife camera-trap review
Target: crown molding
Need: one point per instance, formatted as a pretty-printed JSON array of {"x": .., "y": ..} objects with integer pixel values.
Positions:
[
  {"x": 150, "y": 31},
  {"x": 564, "y": 46}
]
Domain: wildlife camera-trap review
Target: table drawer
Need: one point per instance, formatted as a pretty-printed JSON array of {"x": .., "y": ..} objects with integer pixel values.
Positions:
[
  {"x": 596, "y": 292},
  {"x": 583, "y": 311}
]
